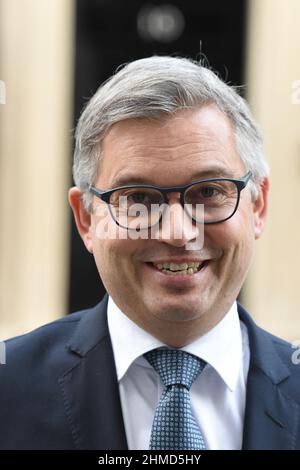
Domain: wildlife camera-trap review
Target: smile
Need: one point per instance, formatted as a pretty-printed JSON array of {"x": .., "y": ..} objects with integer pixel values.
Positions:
[{"x": 173, "y": 269}]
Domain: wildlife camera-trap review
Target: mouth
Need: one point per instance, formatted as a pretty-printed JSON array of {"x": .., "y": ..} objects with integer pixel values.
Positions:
[{"x": 187, "y": 268}]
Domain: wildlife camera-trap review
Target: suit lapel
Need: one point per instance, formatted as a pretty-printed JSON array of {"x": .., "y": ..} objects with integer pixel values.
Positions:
[
  {"x": 270, "y": 416},
  {"x": 90, "y": 387}
]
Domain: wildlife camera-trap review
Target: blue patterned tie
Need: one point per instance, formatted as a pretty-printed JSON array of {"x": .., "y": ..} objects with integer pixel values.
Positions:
[{"x": 174, "y": 426}]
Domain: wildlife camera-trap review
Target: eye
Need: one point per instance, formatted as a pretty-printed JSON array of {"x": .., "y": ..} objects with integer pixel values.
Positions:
[
  {"x": 140, "y": 197},
  {"x": 201, "y": 193},
  {"x": 130, "y": 196},
  {"x": 209, "y": 191}
]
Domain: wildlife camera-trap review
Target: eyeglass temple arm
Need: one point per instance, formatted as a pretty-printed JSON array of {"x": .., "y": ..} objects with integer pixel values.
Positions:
[{"x": 96, "y": 191}]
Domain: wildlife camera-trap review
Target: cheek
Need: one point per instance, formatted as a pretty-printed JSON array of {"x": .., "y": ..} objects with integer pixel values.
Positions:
[
  {"x": 106, "y": 255},
  {"x": 114, "y": 260},
  {"x": 239, "y": 243},
  {"x": 234, "y": 238}
]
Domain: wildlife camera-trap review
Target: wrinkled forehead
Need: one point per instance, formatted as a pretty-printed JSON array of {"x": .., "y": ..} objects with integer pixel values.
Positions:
[
  {"x": 187, "y": 142},
  {"x": 208, "y": 119}
]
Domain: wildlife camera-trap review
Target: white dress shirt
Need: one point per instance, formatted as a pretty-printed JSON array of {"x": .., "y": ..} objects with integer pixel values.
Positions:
[{"x": 218, "y": 395}]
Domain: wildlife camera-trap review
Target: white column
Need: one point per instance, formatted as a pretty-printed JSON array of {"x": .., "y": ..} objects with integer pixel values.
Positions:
[
  {"x": 272, "y": 292},
  {"x": 36, "y": 65}
]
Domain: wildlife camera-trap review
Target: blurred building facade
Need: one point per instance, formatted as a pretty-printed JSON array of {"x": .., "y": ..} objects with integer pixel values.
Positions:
[{"x": 53, "y": 57}]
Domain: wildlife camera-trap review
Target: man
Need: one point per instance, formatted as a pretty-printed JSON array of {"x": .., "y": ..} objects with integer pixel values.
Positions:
[{"x": 161, "y": 139}]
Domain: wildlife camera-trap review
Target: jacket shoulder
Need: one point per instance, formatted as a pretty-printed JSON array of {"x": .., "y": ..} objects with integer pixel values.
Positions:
[
  {"x": 33, "y": 411},
  {"x": 288, "y": 353},
  {"x": 39, "y": 343},
  {"x": 275, "y": 357}
]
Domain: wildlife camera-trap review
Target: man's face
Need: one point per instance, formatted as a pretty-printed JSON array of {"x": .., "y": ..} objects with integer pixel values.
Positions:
[{"x": 191, "y": 145}]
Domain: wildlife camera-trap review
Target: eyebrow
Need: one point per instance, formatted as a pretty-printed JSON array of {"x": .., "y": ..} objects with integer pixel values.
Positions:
[{"x": 212, "y": 172}]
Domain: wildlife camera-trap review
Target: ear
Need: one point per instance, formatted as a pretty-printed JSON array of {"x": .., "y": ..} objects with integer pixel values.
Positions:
[
  {"x": 82, "y": 217},
  {"x": 260, "y": 207}
]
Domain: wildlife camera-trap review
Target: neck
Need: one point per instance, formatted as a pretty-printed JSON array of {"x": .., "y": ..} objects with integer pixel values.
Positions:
[{"x": 181, "y": 333}]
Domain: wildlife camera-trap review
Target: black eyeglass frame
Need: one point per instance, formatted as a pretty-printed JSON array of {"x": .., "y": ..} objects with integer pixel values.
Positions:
[{"x": 240, "y": 183}]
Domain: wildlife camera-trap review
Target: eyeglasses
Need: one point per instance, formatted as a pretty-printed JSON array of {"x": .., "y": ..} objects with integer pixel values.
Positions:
[{"x": 219, "y": 199}]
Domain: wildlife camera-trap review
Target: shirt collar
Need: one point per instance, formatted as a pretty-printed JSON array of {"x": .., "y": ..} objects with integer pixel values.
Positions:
[{"x": 221, "y": 347}]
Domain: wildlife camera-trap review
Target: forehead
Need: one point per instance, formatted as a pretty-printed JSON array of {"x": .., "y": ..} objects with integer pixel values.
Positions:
[{"x": 188, "y": 142}]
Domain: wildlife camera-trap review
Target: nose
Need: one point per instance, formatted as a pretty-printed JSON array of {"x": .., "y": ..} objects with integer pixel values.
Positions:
[{"x": 176, "y": 227}]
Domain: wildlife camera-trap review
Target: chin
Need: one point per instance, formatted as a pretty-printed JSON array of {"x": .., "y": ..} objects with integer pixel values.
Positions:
[{"x": 178, "y": 310}]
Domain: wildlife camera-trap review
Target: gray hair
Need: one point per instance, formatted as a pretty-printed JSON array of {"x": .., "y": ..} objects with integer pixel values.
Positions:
[{"x": 152, "y": 88}]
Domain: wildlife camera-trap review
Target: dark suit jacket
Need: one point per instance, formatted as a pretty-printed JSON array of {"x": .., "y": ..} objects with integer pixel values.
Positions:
[{"x": 59, "y": 390}]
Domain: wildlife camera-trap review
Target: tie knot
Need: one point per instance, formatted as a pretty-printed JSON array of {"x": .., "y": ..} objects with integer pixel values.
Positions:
[{"x": 175, "y": 366}]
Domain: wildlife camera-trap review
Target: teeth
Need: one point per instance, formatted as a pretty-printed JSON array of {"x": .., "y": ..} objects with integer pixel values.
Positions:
[
  {"x": 178, "y": 267},
  {"x": 180, "y": 273},
  {"x": 174, "y": 273},
  {"x": 174, "y": 269}
]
